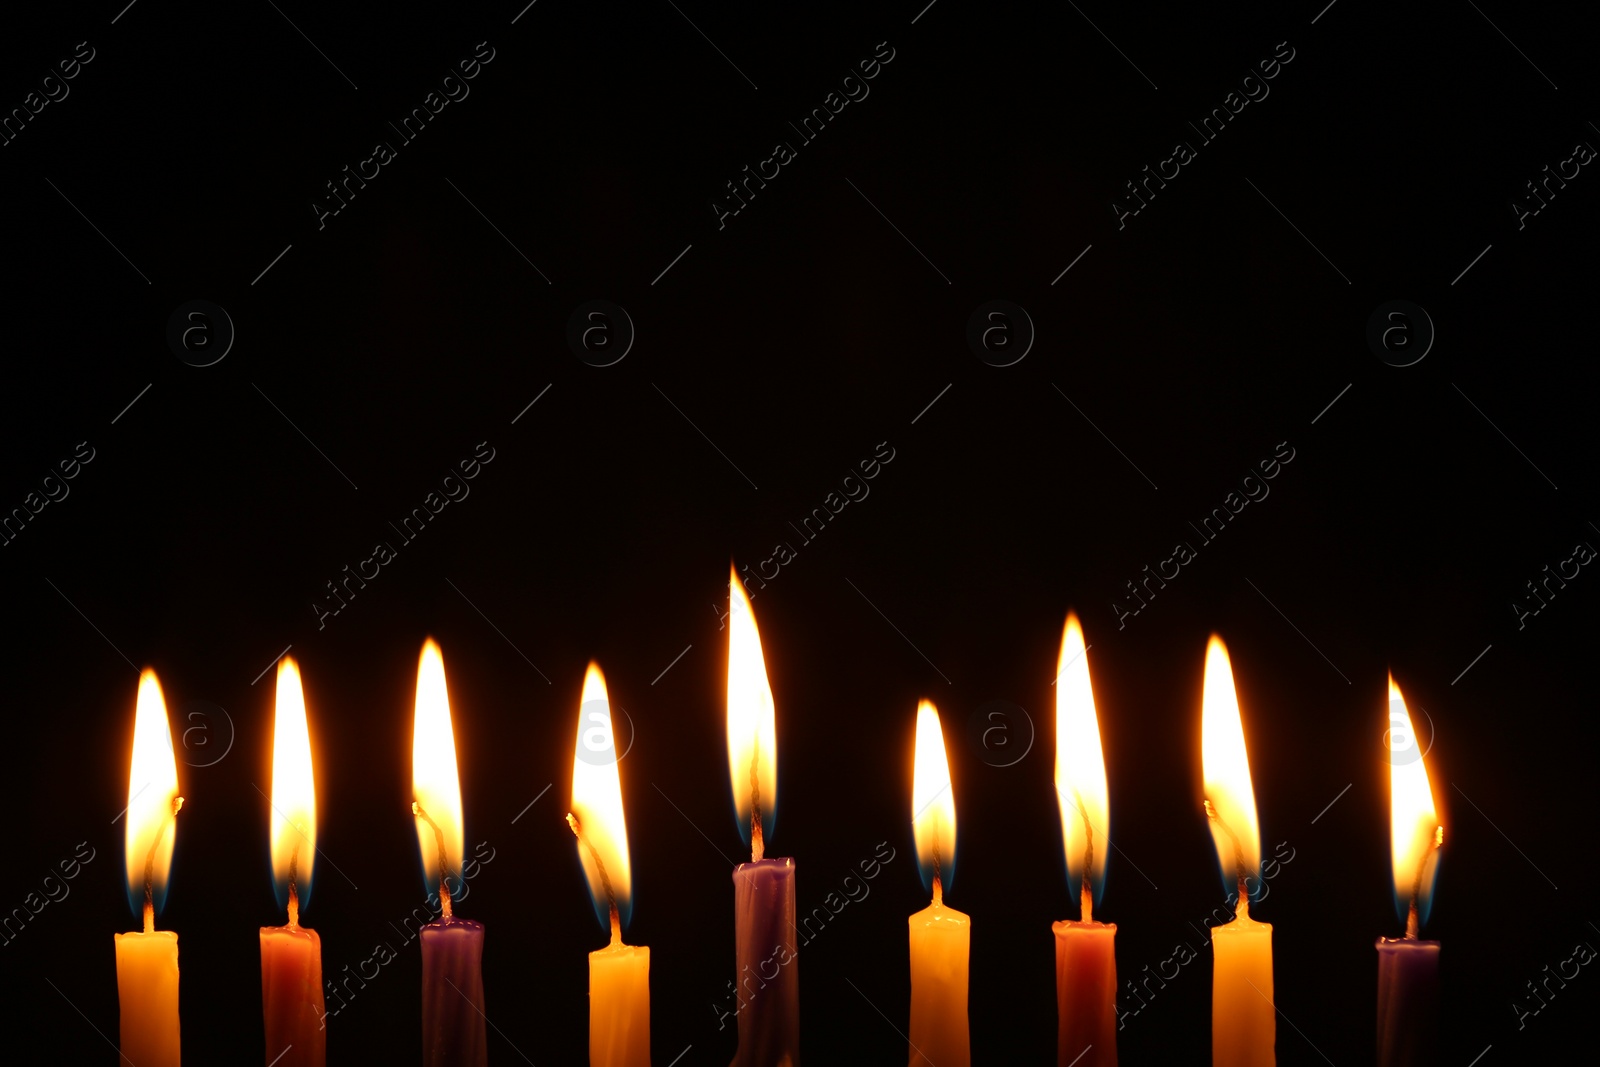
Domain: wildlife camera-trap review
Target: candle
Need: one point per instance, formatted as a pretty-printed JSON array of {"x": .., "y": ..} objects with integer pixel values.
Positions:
[
  {"x": 147, "y": 963},
  {"x": 763, "y": 889},
  {"x": 619, "y": 975},
  {"x": 1086, "y": 961},
  {"x": 941, "y": 937},
  {"x": 1408, "y": 969},
  {"x": 291, "y": 956},
  {"x": 453, "y": 1033},
  {"x": 1243, "y": 1019}
]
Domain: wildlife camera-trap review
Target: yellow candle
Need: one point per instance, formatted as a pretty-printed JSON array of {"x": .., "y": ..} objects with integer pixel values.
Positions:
[
  {"x": 1243, "y": 1020},
  {"x": 147, "y": 963},
  {"x": 1086, "y": 951},
  {"x": 619, "y": 975},
  {"x": 941, "y": 937}
]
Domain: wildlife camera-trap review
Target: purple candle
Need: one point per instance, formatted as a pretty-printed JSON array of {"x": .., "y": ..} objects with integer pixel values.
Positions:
[
  {"x": 1408, "y": 969},
  {"x": 452, "y": 993},
  {"x": 452, "y": 949},
  {"x": 767, "y": 983}
]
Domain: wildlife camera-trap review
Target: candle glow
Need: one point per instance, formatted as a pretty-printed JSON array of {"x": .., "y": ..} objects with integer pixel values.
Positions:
[
  {"x": 933, "y": 804},
  {"x": 435, "y": 785},
  {"x": 752, "y": 723},
  {"x": 152, "y": 799},
  {"x": 1080, "y": 770},
  {"x": 1230, "y": 796},
  {"x": 1414, "y": 830},
  {"x": 293, "y": 827},
  {"x": 597, "y": 810}
]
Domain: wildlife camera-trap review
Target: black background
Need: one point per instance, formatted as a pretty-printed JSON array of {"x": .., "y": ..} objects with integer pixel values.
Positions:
[{"x": 798, "y": 338}]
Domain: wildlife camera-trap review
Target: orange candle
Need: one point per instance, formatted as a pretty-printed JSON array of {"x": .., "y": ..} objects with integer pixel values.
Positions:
[
  {"x": 941, "y": 937},
  {"x": 147, "y": 963},
  {"x": 1086, "y": 959},
  {"x": 619, "y": 975},
  {"x": 291, "y": 956},
  {"x": 1243, "y": 1019}
]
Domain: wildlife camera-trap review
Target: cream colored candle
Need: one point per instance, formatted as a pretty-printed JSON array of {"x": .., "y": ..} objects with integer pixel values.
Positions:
[
  {"x": 1086, "y": 951},
  {"x": 1243, "y": 1019},
  {"x": 619, "y": 975},
  {"x": 941, "y": 937},
  {"x": 147, "y": 963}
]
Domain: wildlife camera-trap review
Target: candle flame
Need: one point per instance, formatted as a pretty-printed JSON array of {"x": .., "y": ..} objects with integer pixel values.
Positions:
[
  {"x": 752, "y": 722},
  {"x": 292, "y": 826},
  {"x": 1080, "y": 767},
  {"x": 1230, "y": 797},
  {"x": 1414, "y": 831},
  {"x": 933, "y": 803},
  {"x": 597, "y": 816},
  {"x": 153, "y": 799},
  {"x": 435, "y": 785}
]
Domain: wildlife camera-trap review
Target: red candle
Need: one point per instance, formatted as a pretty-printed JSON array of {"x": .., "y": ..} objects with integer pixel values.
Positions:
[
  {"x": 291, "y": 956},
  {"x": 1086, "y": 960},
  {"x": 453, "y": 1031}
]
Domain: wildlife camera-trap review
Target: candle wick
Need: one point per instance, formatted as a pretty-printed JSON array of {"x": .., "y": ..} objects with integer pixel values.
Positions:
[
  {"x": 938, "y": 888},
  {"x": 1238, "y": 856},
  {"x": 605, "y": 879},
  {"x": 438, "y": 835},
  {"x": 150, "y": 869},
  {"x": 758, "y": 847},
  {"x": 1088, "y": 858},
  {"x": 294, "y": 891},
  {"x": 1412, "y": 921},
  {"x": 938, "y": 867}
]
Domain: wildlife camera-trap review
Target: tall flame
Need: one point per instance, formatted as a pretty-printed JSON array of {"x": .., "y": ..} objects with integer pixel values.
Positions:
[
  {"x": 1080, "y": 767},
  {"x": 152, "y": 797},
  {"x": 752, "y": 722},
  {"x": 435, "y": 786},
  {"x": 597, "y": 804},
  {"x": 1414, "y": 830},
  {"x": 1230, "y": 797},
  {"x": 292, "y": 826},
  {"x": 933, "y": 804}
]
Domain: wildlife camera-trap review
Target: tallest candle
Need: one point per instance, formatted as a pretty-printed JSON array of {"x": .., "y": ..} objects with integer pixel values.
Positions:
[
  {"x": 147, "y": 963},
  {"x": 291, "y": 955},
  {"x": 1408, "y": 968},
  {"x": 1243, "y": 1019},
  {"x": 763, "y": 889},
  {"x": 1086, "y": 958}
]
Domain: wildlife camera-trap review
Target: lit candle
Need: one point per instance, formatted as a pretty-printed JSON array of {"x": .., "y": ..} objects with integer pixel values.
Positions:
[
  {"x": 619, "y": 975},
  {"x": 291, "y": 956},
  {"x": 941, "y": 937},
  {"x": 147, "y": 963},
  {"x": 763, "y": 889},
  {"x": 1086, "y": 960},
  {"x": 1243, "y": 1020},
  {"x": 1408, "y": 969},
  {"x": 453, "y": 1033}
]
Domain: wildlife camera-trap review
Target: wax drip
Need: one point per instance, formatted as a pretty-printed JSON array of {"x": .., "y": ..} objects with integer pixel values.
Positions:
[
  {"x": 1243, "y": 910},
  {"x": 444, "y": 879},
  {"x": 1087, "y": 904},
  {"x": 1412, "y": 922},
  {"x": 605, "y": 879},
  {"x": 758, "y": 847},
  {"x": 150, "y": 869}
]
